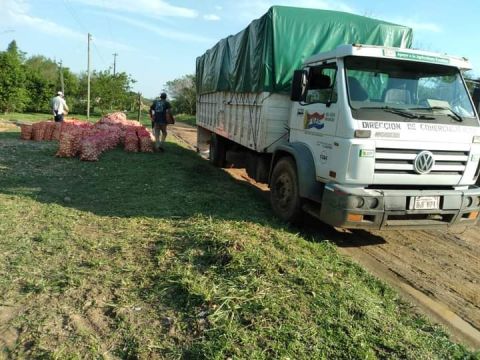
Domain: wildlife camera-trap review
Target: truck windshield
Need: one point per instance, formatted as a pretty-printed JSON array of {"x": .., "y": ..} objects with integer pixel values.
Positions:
[{"x": 408, "y": 90}]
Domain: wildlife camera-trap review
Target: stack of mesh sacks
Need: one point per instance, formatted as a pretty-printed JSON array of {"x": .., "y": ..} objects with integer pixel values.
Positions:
[
  {"x": 39, "y": 131},
  {"x": 42, "y": 130},
  {"x": 134, "y": 136},
  {"x": 109, "y": 132},
  {"x": 89, "y": 141},
  {"x": 95, "y": 141}
]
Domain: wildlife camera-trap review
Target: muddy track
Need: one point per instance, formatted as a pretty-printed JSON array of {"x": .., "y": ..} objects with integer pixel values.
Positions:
[
  {"x": 437, "y": 271},
  {"x": 444, "y": 266}
]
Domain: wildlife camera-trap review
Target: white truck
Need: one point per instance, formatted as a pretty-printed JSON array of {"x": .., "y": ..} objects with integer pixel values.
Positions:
[{"x": 372, "y": 137}]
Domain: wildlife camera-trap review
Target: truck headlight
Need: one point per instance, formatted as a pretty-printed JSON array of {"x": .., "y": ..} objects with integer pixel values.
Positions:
[{"x": 476, "y": 140}]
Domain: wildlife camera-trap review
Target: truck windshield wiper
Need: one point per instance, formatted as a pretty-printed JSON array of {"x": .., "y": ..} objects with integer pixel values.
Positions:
[
  {"x": 400, "y": 112},
  {"x": 453, "y": 114}
]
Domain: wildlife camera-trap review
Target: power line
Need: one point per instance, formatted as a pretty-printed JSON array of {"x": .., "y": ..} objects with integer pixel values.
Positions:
[
  {"x": 70, "y": 10},
  {"x": 108, "y": 25},
  {"x": 99, "y": 54},
  {"x": 69, "y": 7}
]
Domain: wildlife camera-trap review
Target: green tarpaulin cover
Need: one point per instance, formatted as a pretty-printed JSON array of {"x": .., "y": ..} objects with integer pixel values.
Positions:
[{"x": 264, "y": 55}]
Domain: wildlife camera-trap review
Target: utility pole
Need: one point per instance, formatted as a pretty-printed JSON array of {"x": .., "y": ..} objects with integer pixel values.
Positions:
[
  {"x": 88, "y": 78},
  {"x": 61, "y": 78},
  {"x": 114, "y": 63},
  {"x": 139, "y": 106}
]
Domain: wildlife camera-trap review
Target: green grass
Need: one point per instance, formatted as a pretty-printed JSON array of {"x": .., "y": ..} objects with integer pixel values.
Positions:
[
  {"x": 187, "y": 119},
  {"x": 164, "y": 256}
]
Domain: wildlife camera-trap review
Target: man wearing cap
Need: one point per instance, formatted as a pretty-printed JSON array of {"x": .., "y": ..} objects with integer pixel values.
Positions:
[
  {"x": 59, "y": 107},
  {"x": 158, "y": 114}
]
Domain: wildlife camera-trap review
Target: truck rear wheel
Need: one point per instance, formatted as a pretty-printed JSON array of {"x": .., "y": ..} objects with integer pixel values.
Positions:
[
  {"x": 284, "y": 193},
  {"x": 218, "y": 151}
]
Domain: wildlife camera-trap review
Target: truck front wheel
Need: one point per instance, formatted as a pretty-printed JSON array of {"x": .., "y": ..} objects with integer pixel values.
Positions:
[{"x": 284, "y": 194}]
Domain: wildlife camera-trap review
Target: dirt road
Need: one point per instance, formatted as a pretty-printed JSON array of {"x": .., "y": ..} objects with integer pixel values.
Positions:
[{"x": 438, "y": 272}]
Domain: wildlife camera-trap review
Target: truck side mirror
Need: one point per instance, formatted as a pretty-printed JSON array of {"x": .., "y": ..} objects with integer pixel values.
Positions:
[
  {"x": 476, "y": 98},
  {"x": 299, "y": 85}
]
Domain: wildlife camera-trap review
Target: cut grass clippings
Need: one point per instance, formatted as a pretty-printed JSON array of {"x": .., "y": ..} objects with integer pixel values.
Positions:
[{"x": 164, "y": 256}]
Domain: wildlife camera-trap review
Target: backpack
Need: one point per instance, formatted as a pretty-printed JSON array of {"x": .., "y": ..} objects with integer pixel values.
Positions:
[{"x": 160, "y": 107}]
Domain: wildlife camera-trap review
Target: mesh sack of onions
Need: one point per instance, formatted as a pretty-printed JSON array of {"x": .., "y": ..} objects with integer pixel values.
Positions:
[
  {"x": 108, "y": 139},
  {"x": 113, "y": 138},
  {"x": 66, "y": 145},
  {"x": 145, "y": 139},
  {"x": 114, "y": 135},
  {"x": 118, "y": 119},
  {"x": 116, "y": 116},
  {"x": 49, "y": 129},
  {"x": 131, "y": 141},
  {"x": 77, "y": 142},
  {"x": 57, "y": 131},
  {"x": 90, "y": 148},
  {"x": 134, "y": 123},
  {"x": 26, "y": 131},
  {"x": 70, "y": 141},
  {"x": 38, "y": 130},
  {"x": 104, "y": 126},
  {"x": 133, "y": 127}
]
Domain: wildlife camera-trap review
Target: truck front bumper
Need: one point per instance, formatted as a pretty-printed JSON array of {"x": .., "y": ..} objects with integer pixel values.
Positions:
[{"x": 384, "y": 209}]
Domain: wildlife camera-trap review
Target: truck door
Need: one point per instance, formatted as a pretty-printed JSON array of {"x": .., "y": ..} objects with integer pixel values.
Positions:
[{"x": 315, "y": 121}]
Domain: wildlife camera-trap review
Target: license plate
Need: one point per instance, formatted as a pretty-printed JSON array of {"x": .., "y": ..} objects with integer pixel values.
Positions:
[{"x": 426, "y": 202}]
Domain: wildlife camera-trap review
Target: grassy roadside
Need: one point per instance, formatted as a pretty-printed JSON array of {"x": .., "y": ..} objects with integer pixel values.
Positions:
[
  {"x": 164, "y": 256},
  {"x": 187, "y": 119}
]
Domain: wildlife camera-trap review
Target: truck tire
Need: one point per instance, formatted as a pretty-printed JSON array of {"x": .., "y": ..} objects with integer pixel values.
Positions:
[
  {"x": 218, "y": 151},
  {"x": 284, "y": 194}
]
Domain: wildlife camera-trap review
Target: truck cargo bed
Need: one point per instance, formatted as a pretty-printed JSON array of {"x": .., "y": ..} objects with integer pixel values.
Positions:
[{"x": 256, "y": 121}]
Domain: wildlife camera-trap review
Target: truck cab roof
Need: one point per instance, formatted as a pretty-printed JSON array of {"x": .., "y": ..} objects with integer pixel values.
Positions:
[{"x": 390, "y": 53}]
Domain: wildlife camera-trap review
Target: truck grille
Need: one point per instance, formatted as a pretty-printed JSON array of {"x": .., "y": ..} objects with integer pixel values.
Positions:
[{"x": 400, "y": 161}]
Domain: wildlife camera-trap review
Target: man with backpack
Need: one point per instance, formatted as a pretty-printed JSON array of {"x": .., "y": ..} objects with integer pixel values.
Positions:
[{"x": 159, "y": 111}]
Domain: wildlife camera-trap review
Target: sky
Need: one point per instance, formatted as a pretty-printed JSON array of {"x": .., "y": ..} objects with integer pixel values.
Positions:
[{"x": 159, "y": 40}]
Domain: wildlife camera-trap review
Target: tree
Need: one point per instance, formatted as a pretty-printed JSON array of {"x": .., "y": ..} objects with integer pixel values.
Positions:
[
  {"x": 108, "y": 91},
  {"x": 31, "y": 83},
  {"x": 111, "y": 91},
  {"x": 13, "y": 49},
  {"x": 41, "y": 82},
  {"x": 13, "y": 95},
  {"x": 183, "y": 94}
]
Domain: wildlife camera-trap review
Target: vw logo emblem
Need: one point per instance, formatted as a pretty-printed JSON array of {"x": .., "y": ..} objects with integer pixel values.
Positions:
[{"x": 424, "y": 162}]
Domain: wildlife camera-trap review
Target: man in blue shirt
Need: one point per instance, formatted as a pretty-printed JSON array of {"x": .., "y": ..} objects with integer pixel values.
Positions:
[{"x": 158, "y": 113}]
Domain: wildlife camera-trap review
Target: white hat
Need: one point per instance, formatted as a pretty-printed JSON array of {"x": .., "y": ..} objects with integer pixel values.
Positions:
[{"x": 60, "y": 93}]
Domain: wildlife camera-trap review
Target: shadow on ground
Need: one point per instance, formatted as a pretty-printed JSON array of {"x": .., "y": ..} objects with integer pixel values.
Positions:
[{"x": 174, "y": 184}]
